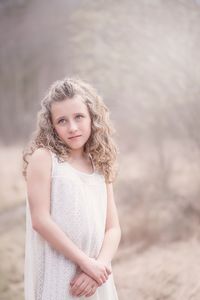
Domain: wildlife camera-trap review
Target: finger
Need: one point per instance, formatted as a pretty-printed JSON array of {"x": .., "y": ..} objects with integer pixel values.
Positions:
[
  {"x": 108, "y": 270},
  {"x": 76, "y": 287},
  {"x": 85, "y": 288},
  {"x": 93, "y": 290},
  {"x": 84, "y": 292},
  {"x": 74, "y": 279},
  {"x": 104, "y": 278},
  {"x": 91, "y": 284},
  {"x": 79, "y": 289},
  {"x": 99, "y": 281},
  {"x": 71, "y": 283}
]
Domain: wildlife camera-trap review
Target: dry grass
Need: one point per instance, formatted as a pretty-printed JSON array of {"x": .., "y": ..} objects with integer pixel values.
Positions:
[
  {"x": 159, "y": 202},
  {"x": 12, "y": 184},
  {"x": 160, "y": 273},
  {"x": 12, "y": 261}
]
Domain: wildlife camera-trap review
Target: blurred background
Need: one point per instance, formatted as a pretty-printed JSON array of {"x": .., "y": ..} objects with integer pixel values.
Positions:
[{"x": 143, "y": 57}]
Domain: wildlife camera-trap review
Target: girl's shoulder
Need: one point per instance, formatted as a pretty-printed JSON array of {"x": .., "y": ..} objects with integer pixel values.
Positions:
[
  {"x": 41, "y": 153},
  {"x": 40, "y": 160}
]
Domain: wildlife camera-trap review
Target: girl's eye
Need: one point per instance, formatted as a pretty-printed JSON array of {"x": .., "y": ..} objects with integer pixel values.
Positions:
[
  {"x": 79, "y": 116},
  {"x": 61, "y": 121}
]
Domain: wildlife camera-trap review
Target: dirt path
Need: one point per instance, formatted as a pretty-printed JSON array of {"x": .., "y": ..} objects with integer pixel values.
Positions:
[{"x": 12, "y": 216}]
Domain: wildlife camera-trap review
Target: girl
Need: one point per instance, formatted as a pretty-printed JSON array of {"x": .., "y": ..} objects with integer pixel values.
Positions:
[{"x": 72, "y": 226}]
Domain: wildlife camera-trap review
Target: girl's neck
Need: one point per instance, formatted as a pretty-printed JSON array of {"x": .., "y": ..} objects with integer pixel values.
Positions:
[{"x": 77, "y": 155}]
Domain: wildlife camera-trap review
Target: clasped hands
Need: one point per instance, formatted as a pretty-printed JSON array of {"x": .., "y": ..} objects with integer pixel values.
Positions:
[{"x": 92, "y": 273}]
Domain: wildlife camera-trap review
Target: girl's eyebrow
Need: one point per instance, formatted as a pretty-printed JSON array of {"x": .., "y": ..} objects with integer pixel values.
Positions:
[
  {"x": 77, "y": 113},
  {"x": 59, "y": 118}
]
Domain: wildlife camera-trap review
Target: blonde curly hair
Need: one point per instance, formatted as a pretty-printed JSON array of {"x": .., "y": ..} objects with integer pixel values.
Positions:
[{"x": 100, "y": 144}]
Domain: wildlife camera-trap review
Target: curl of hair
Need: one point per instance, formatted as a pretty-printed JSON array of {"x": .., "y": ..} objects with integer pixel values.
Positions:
[{"x": 100, "y": 144}]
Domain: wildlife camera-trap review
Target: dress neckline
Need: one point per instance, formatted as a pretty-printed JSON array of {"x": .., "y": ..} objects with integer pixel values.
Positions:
[{"x": 81, "y": 172}]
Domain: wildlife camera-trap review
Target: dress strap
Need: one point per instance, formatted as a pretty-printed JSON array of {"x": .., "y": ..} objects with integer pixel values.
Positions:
[
  {"x": 93, "y": 166},
  {"x": 53, "y": 162}
]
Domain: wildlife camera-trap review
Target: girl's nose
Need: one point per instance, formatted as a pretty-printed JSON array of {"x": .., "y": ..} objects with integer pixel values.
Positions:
[{"x": 72, "y": 126}]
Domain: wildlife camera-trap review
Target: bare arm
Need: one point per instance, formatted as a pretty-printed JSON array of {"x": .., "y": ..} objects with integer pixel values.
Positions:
[
  {"x": 38, "y": 190},
  {"x": 112, "y": 232}
]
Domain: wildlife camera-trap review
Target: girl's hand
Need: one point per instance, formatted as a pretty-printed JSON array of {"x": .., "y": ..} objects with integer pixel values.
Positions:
[
  {"x": 99, "y": 271},
  {"x": 83, "y": 285}
]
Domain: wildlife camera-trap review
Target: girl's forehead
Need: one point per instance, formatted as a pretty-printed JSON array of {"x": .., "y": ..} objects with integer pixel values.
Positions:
[{"x": 69, "y": 106}]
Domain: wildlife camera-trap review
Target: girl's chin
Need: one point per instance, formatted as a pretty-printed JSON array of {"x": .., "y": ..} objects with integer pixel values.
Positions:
[{"x": 74, "y": 147}]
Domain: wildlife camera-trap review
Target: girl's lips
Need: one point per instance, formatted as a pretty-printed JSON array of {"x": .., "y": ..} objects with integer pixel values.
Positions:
[{"x": 73, "y": 137}]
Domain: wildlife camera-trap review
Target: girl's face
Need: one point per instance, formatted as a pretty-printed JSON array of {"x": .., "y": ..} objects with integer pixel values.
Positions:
[{"x": 72, "y": 122}]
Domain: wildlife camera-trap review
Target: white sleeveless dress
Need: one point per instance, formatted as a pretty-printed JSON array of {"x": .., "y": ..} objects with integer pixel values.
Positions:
[{"x": 78, "y": 206}]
